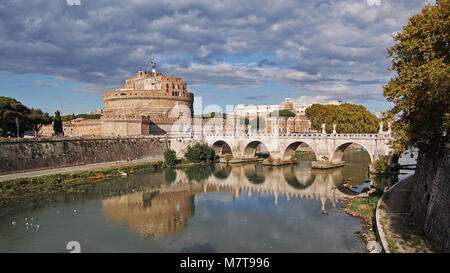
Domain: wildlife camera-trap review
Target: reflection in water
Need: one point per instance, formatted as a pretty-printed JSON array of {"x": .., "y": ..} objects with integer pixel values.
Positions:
[
  {"x": 299, "y": 178},
  {"x": 222, "y": 171},
  {"x": 166, "y": 210},
  {"x": 254, "y": 173},
  {"x": 151, "y": 213},
  {"x": 259, "y": 208},
  {"x": 199, "y": 172}
]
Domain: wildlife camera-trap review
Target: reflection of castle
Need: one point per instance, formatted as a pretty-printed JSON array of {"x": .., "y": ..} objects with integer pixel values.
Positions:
[
  {"x": 165, "y": 211},
  {"x": 151, "y": 213}
]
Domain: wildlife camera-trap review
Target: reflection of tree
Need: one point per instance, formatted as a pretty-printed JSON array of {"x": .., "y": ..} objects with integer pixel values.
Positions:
[
  {"x": 255, "y": 173},
  {"x": 223, "y": 172},
  {"x": 170, "y": 176},
  {"x": 199, "y": 172}
]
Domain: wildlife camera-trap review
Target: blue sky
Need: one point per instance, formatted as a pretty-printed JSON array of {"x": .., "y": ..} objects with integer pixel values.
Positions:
[{"x": 61, "y": 54}]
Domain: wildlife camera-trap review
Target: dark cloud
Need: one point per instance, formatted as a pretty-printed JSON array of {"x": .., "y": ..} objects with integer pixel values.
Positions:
[{"x": 324, "y": 46}]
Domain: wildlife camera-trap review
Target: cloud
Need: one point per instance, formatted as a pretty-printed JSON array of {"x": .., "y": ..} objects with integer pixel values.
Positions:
[
  {"x": 308, "y": 100},
  {"x": 73, "y": 2},
  {"x": 373, "y": 2},
  {"x": 324, "y": 46},
  {"x": 46, "y": 84}
]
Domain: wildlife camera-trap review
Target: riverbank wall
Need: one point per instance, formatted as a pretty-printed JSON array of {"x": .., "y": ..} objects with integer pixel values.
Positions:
[
  {"x": 36, "y": 154},
  {"x": 430, "y": 196}
]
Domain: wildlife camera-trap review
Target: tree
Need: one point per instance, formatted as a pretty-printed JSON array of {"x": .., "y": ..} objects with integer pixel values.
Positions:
[
  {"x": 349, "y": 118},
  {"x": 37, "y": 119},
  {"x": 9, "y": 110},
  {"x": 57, "y": 123},
  {"x": 170, "y": 157},
  {"x": 200, "y": 153},
  {"x": 282, "y": 113},
  {"x": 420, "y": 87}
]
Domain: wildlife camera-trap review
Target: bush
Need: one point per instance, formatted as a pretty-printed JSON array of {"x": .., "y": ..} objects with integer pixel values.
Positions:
[
  {"x": 228, "y": 157},
  {"x": 200, "y": 153},
  {"x": 381, "y": 164},
  {"x": 170, "y": 157}
]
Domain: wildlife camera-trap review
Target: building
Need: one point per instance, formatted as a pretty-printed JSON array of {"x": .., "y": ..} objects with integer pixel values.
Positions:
[{"x": 149, "y": 103}]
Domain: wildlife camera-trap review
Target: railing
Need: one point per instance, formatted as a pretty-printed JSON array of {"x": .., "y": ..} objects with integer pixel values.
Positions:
[{"x": 304, "y": 135}]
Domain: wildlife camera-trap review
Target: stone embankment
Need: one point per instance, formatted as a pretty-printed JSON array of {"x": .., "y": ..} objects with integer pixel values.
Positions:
[
  {"x": 37, "y": 154},
  {"x": 414, "y": 214}
]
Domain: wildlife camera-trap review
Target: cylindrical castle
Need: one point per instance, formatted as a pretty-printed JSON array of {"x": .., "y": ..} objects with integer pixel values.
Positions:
[{"x": 146, "y": 96}]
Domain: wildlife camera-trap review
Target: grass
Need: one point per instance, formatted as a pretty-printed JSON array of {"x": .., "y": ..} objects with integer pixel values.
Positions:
[
  {"x": 32, "y": 187},
  {"x": 392, "y": 244},
  {"x": 364, "y": 208}
]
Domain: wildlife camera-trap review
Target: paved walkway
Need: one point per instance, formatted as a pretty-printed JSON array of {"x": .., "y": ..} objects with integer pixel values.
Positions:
[
  {"x": 397, "y": 221},
  {"x": 71, "y": 169}
]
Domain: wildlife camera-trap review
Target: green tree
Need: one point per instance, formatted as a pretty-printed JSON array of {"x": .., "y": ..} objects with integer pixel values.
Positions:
[
  {"x": 9, "y": 110},
  {"x": 57, "y": 123},
  {"x": 349, "y": 118},
  {"x": 200, "y": 153},
  {"x": 37, "y": 119},
  {"x": 282, "y": 113},
  {"x": 170, "y": 157},
  {"x": 420, "y": 87}
]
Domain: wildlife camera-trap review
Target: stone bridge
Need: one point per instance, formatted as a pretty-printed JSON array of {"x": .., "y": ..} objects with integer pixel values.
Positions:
[{"x": 326, "y": 147}]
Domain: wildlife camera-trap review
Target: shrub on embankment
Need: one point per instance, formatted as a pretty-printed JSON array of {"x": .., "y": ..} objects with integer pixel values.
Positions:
[{"x": 200, "y": 153}]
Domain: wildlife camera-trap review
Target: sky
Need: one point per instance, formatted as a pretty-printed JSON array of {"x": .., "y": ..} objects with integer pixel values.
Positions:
[{"x": 62, "y": 54}]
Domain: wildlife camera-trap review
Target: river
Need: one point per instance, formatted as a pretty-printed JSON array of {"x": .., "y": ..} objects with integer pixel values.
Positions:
[{"x": 213, "y": 208}]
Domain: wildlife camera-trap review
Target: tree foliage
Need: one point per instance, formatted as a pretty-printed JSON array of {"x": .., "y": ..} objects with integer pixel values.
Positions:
[
  {"x": 86, "y": 116},
  {"x": 282, "y": 113},
  {"x": 349, "y": 118},
  {"x": 200, "y": 153},
  {"x": 29, "y": 119},
  {"x": 57, "y": 124},
  {"x": 420, "y": 87},
  {"x": 170, "y": 157},
  {"x": 37, "y": 119}
]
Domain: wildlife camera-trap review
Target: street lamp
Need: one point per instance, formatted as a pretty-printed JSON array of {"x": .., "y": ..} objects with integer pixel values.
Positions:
[{"x": 17, "y": 124}]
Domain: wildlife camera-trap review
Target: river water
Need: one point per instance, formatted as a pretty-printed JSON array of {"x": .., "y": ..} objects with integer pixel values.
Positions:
[{"x": 215, "y": 208}]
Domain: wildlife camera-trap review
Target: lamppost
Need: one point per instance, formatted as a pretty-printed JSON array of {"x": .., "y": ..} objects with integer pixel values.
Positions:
[{"x": 17, "y": 124}]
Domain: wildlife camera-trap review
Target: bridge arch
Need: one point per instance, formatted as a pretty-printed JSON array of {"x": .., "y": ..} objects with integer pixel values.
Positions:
[
  {"x": 221, "y": 147},
  {"x": 292, "y": 147},
  {"x": 339, "y": 150},
  {"x": 253, "y": 147}
]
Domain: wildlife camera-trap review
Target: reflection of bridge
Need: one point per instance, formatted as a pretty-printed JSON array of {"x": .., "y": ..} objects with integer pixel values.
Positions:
[
  {"x": 282, "y": 146},
  {"x": 166, "y": 210},
  {"x": 286, "y": 181}
]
